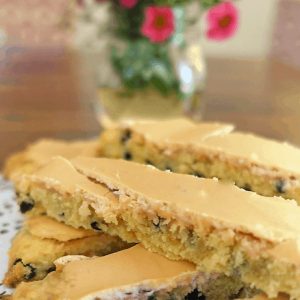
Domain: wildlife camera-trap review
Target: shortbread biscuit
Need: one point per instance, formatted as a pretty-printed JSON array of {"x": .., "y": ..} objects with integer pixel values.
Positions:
[
  {"x": 213, "y": 224},
  {"x": 134, "y": 273},
  {"x": 209, "y": 150},
  {"x": 42, "y": 240},
  {"x": 42, "y": 150}
]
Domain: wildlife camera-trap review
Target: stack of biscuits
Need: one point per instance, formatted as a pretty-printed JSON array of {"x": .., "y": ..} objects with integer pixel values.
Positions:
[{"x": 157, "y": 210}]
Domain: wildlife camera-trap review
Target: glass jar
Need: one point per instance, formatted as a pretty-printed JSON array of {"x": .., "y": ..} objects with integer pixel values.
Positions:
[{"x": 136, "y": 76}]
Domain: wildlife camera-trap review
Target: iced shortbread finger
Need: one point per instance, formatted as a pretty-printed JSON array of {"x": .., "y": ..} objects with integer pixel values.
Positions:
[
  {"x": 215, "y": 225},
  {"x": 265, "y": 166},
  {"x": 134, "y": 273},
  {"x": 42, "y": 150},
  {"x": 42, "y": 240}
]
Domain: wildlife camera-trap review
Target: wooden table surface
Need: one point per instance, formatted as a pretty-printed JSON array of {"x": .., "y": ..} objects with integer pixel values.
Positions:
[{"x": 42, "y": 94}]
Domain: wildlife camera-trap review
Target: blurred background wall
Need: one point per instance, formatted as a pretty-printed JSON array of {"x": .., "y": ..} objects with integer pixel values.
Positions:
[
  {"x": 254, "y": 37},
  {"x": 266, "y": 27},
  {"x": 34, "y": 22}
]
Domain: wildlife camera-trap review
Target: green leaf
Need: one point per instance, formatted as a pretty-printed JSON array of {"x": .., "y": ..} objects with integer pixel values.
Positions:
[
  {"x": 204, "y": 3},
  {"x": 171, "y": 2},
  {"x": 209, "y": 3},
  {"x": 143, "y": 64}
]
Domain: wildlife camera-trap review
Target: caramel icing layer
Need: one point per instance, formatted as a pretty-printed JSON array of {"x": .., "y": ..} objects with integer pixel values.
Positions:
[
  {"x": 40, "y": 152},
  {"x": 257, "y": 149},
  {"x": 178, "y": 130},
  {"x": 201, "y": 200},
  {"x": 220, "y": 137},
  {"x": 47, "y": 228},
  {"x": 122, "y": 268},
  {"x": 61, "y": 174},
  {"x": 44, "y": 149},
  {"x": 82, "y": 277},
  {"x": 272, "y": 218}
]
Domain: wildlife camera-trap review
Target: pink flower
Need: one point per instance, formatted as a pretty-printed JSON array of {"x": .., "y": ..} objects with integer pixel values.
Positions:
[
  {"x": 222, "y": 21},
  {"x": 128, "y": 3},
  {"x": 158, "y": 24}
]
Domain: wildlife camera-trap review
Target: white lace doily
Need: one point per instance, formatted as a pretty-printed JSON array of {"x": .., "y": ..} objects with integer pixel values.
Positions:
[{"x": 10, "y": 222}]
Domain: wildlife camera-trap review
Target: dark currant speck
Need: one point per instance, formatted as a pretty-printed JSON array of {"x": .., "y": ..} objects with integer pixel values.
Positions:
[
  {"x": 198, "y": 174},
  {"x": 149, "y": 162},
  {"x": 3, "y": 231},
  {"x": 247, "y": 187},
  {"x": 32, "y": 269},
  {"x": 158, "y": 222},
  {"x": 51, "y": 269},
  {"x": 280, "y": 186},
  {"x": 95, "y": 226},
  {"x": 26, "y": 206},
  {"x": 32, "y": 273},
  {"x": 239, "y": 294},
  {"x": 125, "y": 136},
  {"x": 127, "y": 155},
  {"x": 17, "y": 261},
  {"x": 168, "y": 168},
  {"x": 194, "y": 295}
]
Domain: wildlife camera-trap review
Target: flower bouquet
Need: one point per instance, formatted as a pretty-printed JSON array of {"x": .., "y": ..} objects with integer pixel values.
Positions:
[{"x": 149, "y": 60}]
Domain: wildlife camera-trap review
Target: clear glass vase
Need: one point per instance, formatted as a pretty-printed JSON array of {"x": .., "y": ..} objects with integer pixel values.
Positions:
[{"x": 137, "y": 78}]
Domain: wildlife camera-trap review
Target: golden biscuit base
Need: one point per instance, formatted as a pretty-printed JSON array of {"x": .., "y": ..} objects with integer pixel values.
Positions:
[
  {"x": 216, "y": 225},
  {"x": 42, "y": 240},
  {"x": 254, "y": 163}
]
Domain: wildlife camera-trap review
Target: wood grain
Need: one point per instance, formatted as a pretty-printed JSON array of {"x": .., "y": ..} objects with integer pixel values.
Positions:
[
  {"x": 41, "y": 96},
  {"x": 44, "y": 93},
  {"x": 258, "y": 96}
]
